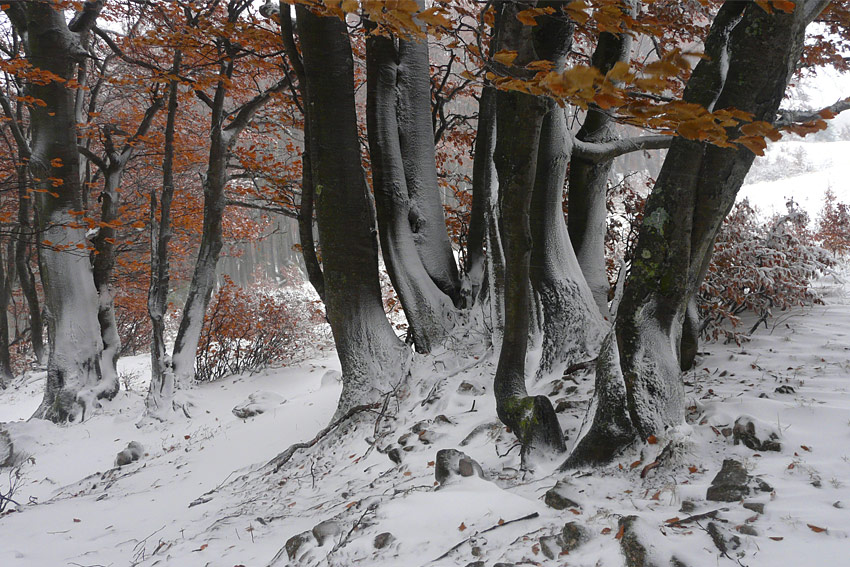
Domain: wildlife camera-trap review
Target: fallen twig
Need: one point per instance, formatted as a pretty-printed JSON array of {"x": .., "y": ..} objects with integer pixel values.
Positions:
[
  {"x": 696, "y": 517},
  {"x": 490, "y": 529}
]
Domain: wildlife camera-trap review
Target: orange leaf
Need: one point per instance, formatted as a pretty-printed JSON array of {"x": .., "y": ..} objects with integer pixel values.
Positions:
[
  {"x": 620, "y": 532},
  {"x": 775, "y": 538},
  {"x": 652, "y": 440},
  {"x": 635, "y": 464},
  {"x": 505, "y": 56},
  {"x": 692, "y": 469},
  {"x": 461, "y": 527},
  {"x": 605, "y": 531},
  {"x": 816, "y": 529}
]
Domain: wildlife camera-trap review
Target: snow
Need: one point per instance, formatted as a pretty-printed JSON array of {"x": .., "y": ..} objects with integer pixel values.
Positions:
[{"x": 77, "y": 509}]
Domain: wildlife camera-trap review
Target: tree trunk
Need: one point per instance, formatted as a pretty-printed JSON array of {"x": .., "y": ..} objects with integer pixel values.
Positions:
[
  {"x": 520, "y": 119},
  {"x": 416, "y": 143},
  {"x": 752, "y": 54},
  {"x": 75, "y": 376},
  {"x": 572, "y": 326},
  {"x": 588, "y": 184},
  {"x": 6, "y": 373},
  {"x": 484, "y": 186},
  {"x": 164, "y": 384},
  {"x": 373, "y": 359},
  {"x": 427, "y": 308},
  {"x": 23, "y": 237}
]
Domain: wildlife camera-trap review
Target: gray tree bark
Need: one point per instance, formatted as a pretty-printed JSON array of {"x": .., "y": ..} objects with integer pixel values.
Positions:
[
  {"x": 751, "y": 56},
  {"x": 373, "y": 359}
]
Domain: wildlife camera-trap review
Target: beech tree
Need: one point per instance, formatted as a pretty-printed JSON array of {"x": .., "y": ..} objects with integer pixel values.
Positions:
[{"x": 54, "y": 49}]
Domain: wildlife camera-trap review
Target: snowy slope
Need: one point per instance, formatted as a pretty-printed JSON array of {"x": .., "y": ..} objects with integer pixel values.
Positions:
[{"x": 88, "y": 513}]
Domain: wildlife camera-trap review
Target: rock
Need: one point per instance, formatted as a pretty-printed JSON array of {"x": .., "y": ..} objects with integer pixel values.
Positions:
[
  {"x": 331, "y": 378},
  {"x": 395, "y": 453},
  {"x": 419, "y": 426},
  {"x": 131, "y": 454},
  {"x": 784, "y": 389},
  {"x": 573, "y": 535},
  {"x": 755, "y": 435},
  {"x": 476, "y": 564},
  {"x": 323, "y": 531},
  {"x": 504, "y": 565},
  {"x": 757, "y": 507},
  {"x": 470, "y": 389},
  {"x": 762, "y": 486},
  {"x": 676, "y": 562},
  {"x": 258, "y": 403},
  {"x": 443, "y": 420},
  {"x": 550, "y": 546},
  {"x": 383, "y": 540},
  {"x": 406, "y": 438},
  {"x": 299, "y": 543},
  {"x": 632, "y": 546},
  {"x": 747, "y": 529},
  {"x": 558, "y": 497},
  {"x": 838, "y": 504},
  {"x": 493, "y": 427},
  {"x": 429, "y": 437},
  {"x": 563, "y": 405},
  {"x": 730, "y": 484},
  {"x": 7, "y": 449},
  {"x": 452, "y": 463},
  {"x": 688, "y": 507}
]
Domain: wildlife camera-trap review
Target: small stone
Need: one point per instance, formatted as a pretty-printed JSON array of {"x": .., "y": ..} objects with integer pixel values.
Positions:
[
  {"x": 784, "y": 389},
  {"x": 757, "y": 507},
  {"x": 441, "y": 419},
  {"x": 258, "y": 403},
  {"x": 730, "y": 484},
  {"x": 7, "y": 449},
  {"x": 406, "y": 438},
  {"x": 764, "y": 396},
  {"x": 428, "y": 437},
  {"x": 838, "y": 504},
  {"x": 331, "y": 378},
  {"x": 504, "y": 565},
  {"x": 762, "y": 486},
  {"x": 383, "y": 540},
  {"x": 326, "y": 530},
  {"x": 817, "y": 483},
  {"x": 452, "y": 463},
  {"x": 563, "y": 405},
  {"x": 550, "y": 546},
  {"x": 747, "y": 529},
  {"x": 297, "y": 542},
  {"x": 754, "y": 435},
  {"x": 688, "y": 507},
  {"x": 676, "y": 562},
  {"x": 476, "y": 564},
  {"x": 395, "y": 454},
  {"x": 573, "y": 535},
  {"x": 557, "y": 497},
  {"x": 726, "y": 431},
  {"x": 470, "y": 389},
  {"x": 131, "y": 454},
  {"x": 419, "y": 426}
]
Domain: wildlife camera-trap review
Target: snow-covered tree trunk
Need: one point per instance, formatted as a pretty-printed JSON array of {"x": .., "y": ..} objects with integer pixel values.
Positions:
[
  {"x": 163, "y": 386},
  {"x": 75, "y": 378},
  {"x": 484, "y": 185},
  {"x": 416, "y": 144},
  {"x": 751, "y": 56},
  {"x": 6, "y": 277},
  {"x": 373, "y": 359},
  {"x": 520, "y": 118},
  {"x": 572, "y": 326},
  {"x": 588, "y": 183},
  {"x": 427, "y": 308}
]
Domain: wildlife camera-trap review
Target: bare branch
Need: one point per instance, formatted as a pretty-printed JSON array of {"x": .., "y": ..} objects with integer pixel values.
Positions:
[{"x": 789, "y": 117}]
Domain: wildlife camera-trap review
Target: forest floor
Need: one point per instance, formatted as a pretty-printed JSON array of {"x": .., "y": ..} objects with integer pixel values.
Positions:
[{"x": 203, "y": 495}]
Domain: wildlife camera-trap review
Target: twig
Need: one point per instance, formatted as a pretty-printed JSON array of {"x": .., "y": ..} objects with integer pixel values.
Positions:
[
  {"x": 284, "y": 457},
  {"x": 696, "y": 518},
  {"x": 490, "y": 529}
]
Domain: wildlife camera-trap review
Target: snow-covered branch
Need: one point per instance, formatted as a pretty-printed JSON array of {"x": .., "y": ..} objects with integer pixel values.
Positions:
[
  {"x": 789, "y": 117},
  {"x": 609, "y": 150}
]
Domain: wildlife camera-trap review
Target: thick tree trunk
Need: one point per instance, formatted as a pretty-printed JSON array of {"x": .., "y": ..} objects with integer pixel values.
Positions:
[
  {"x": 484, "y": 185},
  {"x": 373, "y": 359},
  {"x": 427, "y": 308},
  {"x": 75, "y": 378},
  {"x": 416, "y": 144},
  {"x": 163, "y": 386},
  {"x": 588, "y": 183},
  {"x": 572, "y": 327},
  {"x": 752, "y": 54},
  {"x": 520, "y": 119}
]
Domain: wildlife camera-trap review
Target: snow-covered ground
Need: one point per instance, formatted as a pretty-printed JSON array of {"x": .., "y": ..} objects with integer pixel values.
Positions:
[{"x": 202, "y": 495}]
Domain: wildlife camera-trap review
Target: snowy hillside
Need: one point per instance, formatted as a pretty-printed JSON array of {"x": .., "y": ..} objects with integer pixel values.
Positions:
[{"x": 201, "y": 494}]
